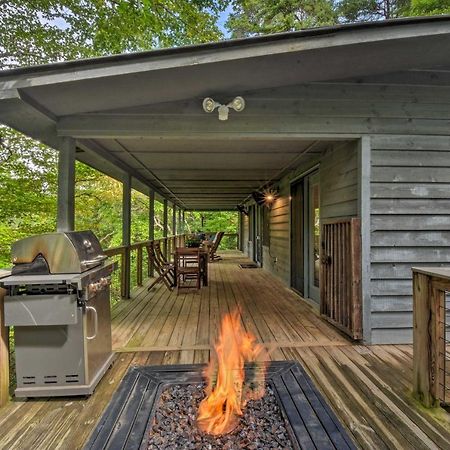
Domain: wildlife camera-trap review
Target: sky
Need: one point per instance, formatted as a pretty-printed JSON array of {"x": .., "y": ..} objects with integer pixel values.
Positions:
[{"x": 223, "y": 18}]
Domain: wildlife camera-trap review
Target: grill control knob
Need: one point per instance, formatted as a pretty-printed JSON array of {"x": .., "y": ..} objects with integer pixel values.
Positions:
[{"x": 101, "y": 284}]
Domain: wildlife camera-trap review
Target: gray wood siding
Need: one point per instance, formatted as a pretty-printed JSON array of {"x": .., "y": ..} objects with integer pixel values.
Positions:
[
  {"x": 339, "y": 192},
  {"x": 410, "y": 225}
]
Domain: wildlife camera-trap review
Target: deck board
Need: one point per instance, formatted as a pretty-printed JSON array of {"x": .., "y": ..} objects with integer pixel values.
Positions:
[{"x": 369, "y": 388}]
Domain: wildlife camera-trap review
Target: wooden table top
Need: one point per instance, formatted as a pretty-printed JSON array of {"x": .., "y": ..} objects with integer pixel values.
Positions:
[{"x": 440, "y": 272}]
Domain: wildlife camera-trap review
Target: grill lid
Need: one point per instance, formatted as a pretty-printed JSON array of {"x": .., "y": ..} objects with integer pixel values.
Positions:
[{"x": 55, "y": 253}]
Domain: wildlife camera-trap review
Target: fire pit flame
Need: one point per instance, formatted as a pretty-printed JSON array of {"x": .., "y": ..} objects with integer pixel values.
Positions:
[{"x": 226, "y": 393}]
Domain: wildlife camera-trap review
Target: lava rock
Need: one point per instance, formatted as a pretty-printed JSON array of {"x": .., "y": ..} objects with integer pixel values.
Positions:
[{"x": 174, "y": 424}]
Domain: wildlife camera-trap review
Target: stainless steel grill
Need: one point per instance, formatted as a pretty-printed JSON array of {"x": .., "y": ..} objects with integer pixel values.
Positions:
[{"x": 58, "y": 300}]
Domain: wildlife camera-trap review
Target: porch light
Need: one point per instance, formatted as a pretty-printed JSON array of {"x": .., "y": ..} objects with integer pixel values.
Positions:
[
  {"x": 209, "y": 105},
  {"x": 269, "y": 197}
]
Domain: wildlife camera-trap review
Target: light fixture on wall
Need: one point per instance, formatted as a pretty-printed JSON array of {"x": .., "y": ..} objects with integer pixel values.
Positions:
[
  {"x": 209, "y": 105},
  {"x": 265, "y": 197},
  {"x": 270, "y": 195},
  {"x": 242, "y": 209}
]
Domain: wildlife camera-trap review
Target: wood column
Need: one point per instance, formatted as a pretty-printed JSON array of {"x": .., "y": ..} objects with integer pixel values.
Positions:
[
  {"x": 151, "y": 226},
  {"x": 66, "y": 185},
  {"x": 428, "y": 337},
  {"x": 165, "y": 223},
  {"x": 126, "y": 237},
  {"x": 4, "y": 354},
  {"x": 174, "y": 220}
]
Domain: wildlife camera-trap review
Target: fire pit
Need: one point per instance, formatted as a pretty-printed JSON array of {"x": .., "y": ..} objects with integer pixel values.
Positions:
[{"x": 133, "y": 419}]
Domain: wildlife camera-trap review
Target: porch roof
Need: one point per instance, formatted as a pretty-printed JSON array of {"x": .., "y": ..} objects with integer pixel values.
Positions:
[{"x": 141, "y": 113}]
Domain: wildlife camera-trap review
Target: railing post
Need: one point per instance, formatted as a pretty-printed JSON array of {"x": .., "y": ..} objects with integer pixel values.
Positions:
[
  {"x": 165, "y": 222},
  {"x": 139, "y": 265},
  {"x": 174, "y": 220},
  {"x": 151, "y": 227},
  {"x": 4, "y": 355},
  {"x": 126, "y": 237},
  {"x": 428, "y": 338}
]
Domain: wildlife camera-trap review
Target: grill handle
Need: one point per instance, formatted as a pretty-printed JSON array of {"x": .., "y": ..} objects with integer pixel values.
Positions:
[{"x": 94, "y": 311}]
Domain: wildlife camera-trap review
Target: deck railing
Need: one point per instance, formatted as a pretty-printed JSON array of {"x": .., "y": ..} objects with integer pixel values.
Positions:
[
  {"x": 125, "y": 255},
  {"x": 431, "y": 353}
]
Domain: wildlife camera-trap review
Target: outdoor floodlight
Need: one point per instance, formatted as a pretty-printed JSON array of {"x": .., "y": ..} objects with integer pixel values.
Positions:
[{"x": 209, "y": 105}]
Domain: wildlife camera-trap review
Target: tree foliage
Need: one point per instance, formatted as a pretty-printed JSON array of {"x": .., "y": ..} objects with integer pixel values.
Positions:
[
  {"x": 45, "y": 31},
  {"x": 254, "y": 17}
]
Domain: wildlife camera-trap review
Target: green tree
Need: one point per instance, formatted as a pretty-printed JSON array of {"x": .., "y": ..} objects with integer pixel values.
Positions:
[
  {"x": 253, "y": 17},
  {"x": 368, "y": 10},
  {"x": 44, "y": 31},
  {"x": 429, "y": 7},
  {"x": 28, "y": 179}
]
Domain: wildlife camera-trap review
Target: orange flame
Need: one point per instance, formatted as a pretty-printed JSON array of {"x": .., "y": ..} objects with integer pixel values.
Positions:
[{"x": 226, "y": 394}]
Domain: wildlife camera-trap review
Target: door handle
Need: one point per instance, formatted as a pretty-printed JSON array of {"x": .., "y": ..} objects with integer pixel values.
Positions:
[{"x": 94, "y": 311}]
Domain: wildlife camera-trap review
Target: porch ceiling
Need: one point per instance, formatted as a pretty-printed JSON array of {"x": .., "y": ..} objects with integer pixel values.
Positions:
[
  {"x": 119, "y": 108},
  {"x": 210, "y": 174}
]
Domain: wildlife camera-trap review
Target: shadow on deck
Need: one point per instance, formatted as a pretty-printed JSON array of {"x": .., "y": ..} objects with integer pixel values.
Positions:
[{"x": 368, "y": 387}]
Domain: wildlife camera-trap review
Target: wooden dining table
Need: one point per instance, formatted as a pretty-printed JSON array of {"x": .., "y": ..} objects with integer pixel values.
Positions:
[{"x": 204, "y": 259}]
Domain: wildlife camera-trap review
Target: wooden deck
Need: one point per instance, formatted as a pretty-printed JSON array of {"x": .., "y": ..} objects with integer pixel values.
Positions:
[{"x": 368, "y": 387}]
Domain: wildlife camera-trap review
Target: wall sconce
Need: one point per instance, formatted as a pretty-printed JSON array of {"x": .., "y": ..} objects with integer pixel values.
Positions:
[
  {"x": 209, "y": 105},
  {"x": 270, "y": 195},
  {"x": 267, "y": 197},
  {"x": 242, "y": 209}
]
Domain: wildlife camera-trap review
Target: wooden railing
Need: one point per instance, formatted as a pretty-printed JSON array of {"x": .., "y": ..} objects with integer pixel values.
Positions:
[
  {"x": 431, "y": 348},
  {"x": 340, "y": 275},
  {"x": 125, "y": 254}
]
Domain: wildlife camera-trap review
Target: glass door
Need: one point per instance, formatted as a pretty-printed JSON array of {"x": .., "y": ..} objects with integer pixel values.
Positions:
[{"x": 313, "y": 233}]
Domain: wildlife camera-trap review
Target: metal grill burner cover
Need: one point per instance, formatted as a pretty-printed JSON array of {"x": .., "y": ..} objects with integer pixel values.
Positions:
[
  {"x": 128, "y": 418},
  {"x": 58, "y": 302}
]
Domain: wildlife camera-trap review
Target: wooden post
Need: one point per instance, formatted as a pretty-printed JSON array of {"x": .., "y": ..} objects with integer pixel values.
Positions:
[
  {"x": 165, "y": 223},
  {"x": 428, "y": 311},
  {"x": 139, "y": 266},
  {"x": 66, "y": 186},
  {"x": 151, "y": 226},
  {"x": 174, "y": 220},
  {"x": 179, "y": 226},
  {"x": 126, "y": 237},
  {"x": 4, "y": 352}
]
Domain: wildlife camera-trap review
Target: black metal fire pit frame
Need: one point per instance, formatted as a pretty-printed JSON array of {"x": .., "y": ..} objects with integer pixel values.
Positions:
[{"x": 309, "y": 420}]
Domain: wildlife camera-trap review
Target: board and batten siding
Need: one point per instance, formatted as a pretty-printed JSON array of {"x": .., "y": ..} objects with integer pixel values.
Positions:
[
  {"x": 338, "y": 173},
  {"x": 410, "y": 225}
]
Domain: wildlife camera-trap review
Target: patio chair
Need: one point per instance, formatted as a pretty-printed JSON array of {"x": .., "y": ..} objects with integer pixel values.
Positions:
[
  {"x": 215, "y": 245},
  {"x": 164, "y": 269},
  {"x": 188, "y": 267}
]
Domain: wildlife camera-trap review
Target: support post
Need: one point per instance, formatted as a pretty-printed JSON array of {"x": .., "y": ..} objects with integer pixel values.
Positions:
[
  {"x": 126, "y": 237},
  {"x": 165, "y": 223},
  {"x": 174, "y": 227},
  {"x": 179, "y": 228},
  {"x": 364, "y": 177},
  {"x": 151, "y": 226},
  {"x": 4, "y": 353},
  {"x": 429, "y": 338},
  {"x": 66, "y": 185}
]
